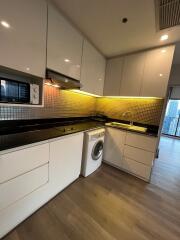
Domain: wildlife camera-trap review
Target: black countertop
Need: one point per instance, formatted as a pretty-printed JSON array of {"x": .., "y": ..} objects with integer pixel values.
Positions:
[{"x": 16, "y": 133}]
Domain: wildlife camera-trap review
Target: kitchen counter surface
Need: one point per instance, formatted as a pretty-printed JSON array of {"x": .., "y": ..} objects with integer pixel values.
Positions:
[
  {"x": 22, "y": 132},
  {"x": 39, "y": 133}
]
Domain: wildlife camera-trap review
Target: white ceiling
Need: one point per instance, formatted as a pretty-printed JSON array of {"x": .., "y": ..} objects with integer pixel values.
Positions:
[{"x": 100, "y": 22}]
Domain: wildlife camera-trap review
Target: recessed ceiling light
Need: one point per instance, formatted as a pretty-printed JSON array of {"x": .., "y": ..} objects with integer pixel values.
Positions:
[
  {"x": 28, "y": 69},
  {"x": 164, "y": 37},
  {"x": 124, "y": 20},
  {"x": 160, "y": 74},
  {"x": 5, "y": 24},
  {"x": 163, "y": 50},
  {"x": 66, "y": 60}
]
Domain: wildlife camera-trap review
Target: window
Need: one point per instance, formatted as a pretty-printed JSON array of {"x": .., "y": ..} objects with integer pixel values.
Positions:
[{"x": 171, "y": 125}]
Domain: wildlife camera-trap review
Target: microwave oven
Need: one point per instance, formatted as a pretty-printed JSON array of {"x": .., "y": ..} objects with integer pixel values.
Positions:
[{"x": 18, "y": 92}]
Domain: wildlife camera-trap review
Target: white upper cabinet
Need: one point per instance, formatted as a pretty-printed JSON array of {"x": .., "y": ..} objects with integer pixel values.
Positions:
[
  {"x": 156, "y": 72},
  {"x": 23, "y": 35},
  {"x": 132, "y": 74},
  {"x": 114, "y": 68},
  {"x": 64, "y": 45},
  {"x": 93, "y": 70},
  {"x": 142, "y": 74}
]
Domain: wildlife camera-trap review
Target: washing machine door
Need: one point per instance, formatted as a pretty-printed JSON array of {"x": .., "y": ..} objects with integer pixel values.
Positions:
[{"x": 97, "y": 150}]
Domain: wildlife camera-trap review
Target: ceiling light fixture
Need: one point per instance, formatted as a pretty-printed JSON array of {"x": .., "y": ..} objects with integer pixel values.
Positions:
[
  {"x": 66, "y": 60},
  {"x": 164, "y": 37},
  {"x": 5, "y": 24},
  {"x": 160, "y": 74},
  {"x": 163, "y": 50}
]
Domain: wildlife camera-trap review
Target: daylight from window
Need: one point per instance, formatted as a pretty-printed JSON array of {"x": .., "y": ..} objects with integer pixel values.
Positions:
[{"x": 171, "y": 125}]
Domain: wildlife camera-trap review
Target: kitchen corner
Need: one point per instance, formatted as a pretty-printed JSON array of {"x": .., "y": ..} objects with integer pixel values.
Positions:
[{"x": 89, "y": 121}]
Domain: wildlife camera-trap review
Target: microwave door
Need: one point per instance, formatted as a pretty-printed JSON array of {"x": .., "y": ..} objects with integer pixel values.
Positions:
[
  {"x": 9, "y": 91},
  {"x": 13, "y": 92},
  {"x": 4, "y": 89}
]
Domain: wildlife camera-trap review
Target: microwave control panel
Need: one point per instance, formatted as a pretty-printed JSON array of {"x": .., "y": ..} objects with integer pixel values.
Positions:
[{"x": 34, "y": 93}]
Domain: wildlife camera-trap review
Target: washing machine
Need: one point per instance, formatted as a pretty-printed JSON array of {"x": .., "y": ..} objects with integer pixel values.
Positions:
[{"x": 92, "y": 151}]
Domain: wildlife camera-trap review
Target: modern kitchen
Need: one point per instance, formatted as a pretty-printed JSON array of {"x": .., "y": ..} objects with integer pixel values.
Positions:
[{"x": 90, "y": 119}]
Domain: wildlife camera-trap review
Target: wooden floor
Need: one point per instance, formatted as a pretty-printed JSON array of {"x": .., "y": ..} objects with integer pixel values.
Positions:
[{"x": 112, "y": 205}]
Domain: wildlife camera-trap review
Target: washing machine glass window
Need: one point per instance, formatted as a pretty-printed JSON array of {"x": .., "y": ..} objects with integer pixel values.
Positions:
[{"x": 97, "y": 150}]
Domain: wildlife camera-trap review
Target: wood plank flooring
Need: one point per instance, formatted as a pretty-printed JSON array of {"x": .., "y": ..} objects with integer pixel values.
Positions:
[{"x": 111, "y": 204}]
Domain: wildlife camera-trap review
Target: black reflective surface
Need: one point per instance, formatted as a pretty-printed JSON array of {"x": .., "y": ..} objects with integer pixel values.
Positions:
[{"x": 15, "y": 133}]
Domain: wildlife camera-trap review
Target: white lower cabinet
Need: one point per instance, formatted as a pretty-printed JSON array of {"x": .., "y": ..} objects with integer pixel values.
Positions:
[
  {"x": 19, "y": 162},
  {"x": 136, "y": 168},
  {"x": 114, "y": 146},
  {"x": 17, "y": 188},
  {"x": 148, "y": 143},
  {"x": 139, "y": 155},
  {"x": 131, "y": 152},
  {"x": 65, "y": 160},
  {"x": 46, "y": 170}
]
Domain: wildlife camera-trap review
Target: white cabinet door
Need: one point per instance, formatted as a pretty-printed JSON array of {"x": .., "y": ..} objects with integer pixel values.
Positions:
[
  {"x": 64, "y": 45},
  {"x": 65, "y": 160},
  {"x": 156, "y": 72},
  {"x": 21, "y": 161},
  {"x": 23, "y": 43},
  {"x": 93, "y": 70},
  {"x": 114, "y": 146},
  {"x": 132, "y": 74},
  {"x": 114, "y": 68}
]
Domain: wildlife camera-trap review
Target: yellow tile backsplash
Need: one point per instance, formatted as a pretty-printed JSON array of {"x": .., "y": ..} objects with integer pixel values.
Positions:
[
  {"x": 61, "y": 103},
  {"x": 141, "y": 110}
]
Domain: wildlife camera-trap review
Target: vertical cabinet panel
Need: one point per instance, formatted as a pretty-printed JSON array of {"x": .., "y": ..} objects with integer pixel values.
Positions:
[
  {"x": 23, "y": 44},
  {"x": 156, "y": 72},
  {"x": 93, "y": 70},
  {"x": 114, "y": 146},
  {"x": 132, "y": 74},
  {"x": 114, "y": 68},
  {"x": 65, "y": 160},
  {"x": 64, "y": 45}
]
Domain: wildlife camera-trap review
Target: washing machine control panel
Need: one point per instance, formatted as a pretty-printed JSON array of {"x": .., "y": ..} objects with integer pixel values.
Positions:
[{"x": 97, "y": 135}]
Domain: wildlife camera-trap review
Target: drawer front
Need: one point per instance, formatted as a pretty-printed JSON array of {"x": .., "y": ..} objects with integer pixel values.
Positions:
[
  {"x": 19, "y": 162},
  {"x": 139, "y": 155},
  {"x": 137, "y": 168},
  {"x": 144, "y": 142},
  {"x": 23, "y": 185}
]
